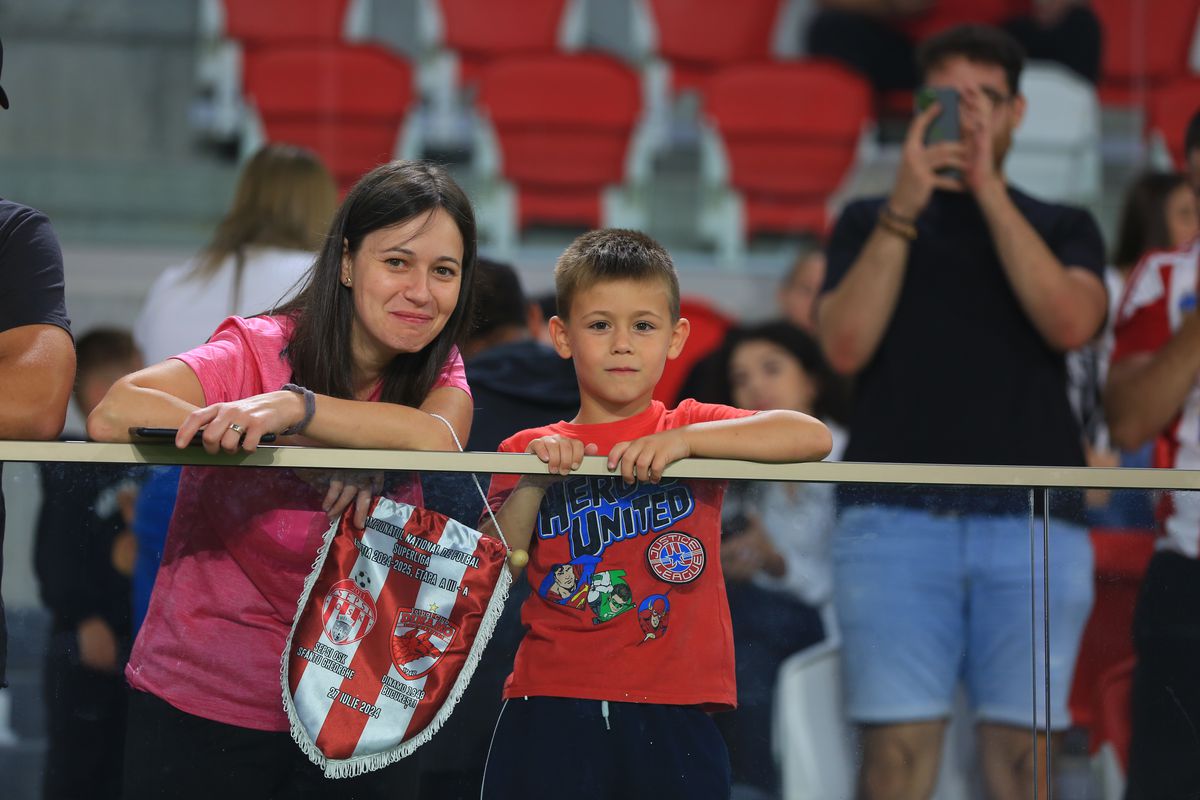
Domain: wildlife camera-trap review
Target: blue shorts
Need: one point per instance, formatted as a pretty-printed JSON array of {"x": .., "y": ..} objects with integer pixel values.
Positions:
[
  {"x": 586, "y": 750},
  {"x": 926, "y": 600}
]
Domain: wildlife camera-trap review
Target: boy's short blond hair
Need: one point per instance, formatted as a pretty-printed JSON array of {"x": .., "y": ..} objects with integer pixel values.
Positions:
[{"x": 613, "y": 254}]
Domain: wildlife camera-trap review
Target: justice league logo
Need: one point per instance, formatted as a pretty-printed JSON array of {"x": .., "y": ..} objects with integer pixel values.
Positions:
[
  {"x": 419, "y": 640},
  {"x": 676, "y": 557},
  {"x": 348, "y": 613}
]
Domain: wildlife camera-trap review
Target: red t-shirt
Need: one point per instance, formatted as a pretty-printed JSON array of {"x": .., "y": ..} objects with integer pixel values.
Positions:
[{"x": 628, "y": 598}]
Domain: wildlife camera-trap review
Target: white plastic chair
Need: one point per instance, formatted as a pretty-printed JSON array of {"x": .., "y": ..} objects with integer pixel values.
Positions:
[{"x": 1056, "y": 150}]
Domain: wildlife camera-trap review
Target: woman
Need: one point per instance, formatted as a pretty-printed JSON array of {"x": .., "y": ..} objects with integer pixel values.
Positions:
[
  {"x": 371, "y": 339},
  {"x": 259, "y": 252},
  {"x": 1159, "y": 213},
  {"x": 776, "y": 549}
]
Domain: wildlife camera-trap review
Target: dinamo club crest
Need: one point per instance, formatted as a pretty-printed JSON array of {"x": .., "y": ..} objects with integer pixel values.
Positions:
[
  {"x": 348, "y": 612},
  {"x": 676, "y": 557},
  {"x": 419, "y": 640}
]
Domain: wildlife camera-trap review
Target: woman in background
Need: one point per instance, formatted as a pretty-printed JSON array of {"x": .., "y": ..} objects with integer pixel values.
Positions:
[
  {"x": 261, "y": 249},
  {"x": 776, "y": 548},
  {"x": 1159, "y": 213}
]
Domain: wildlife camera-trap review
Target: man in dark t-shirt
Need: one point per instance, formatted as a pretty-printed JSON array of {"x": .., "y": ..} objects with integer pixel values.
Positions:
[
  {"x": 37, "y": 356},
  {"x": 953, "y": 301}
]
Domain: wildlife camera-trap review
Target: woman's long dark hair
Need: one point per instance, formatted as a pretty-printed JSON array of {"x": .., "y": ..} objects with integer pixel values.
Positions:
[
  {"x": 1143, "y": 225},
  {"x": 320, "y": 349}
]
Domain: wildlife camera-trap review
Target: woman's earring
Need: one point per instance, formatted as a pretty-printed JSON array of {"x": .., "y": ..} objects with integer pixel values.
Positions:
[{"x": 346, "y": 280}]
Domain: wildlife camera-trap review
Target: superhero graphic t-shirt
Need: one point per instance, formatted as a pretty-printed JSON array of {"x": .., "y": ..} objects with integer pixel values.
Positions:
[{"x": 628, "y": 598}]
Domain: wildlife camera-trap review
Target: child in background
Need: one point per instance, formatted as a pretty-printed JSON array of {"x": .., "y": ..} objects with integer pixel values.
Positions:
[
  {"x": 602, "y": 707},
  {"x": 83, "y": 556}
]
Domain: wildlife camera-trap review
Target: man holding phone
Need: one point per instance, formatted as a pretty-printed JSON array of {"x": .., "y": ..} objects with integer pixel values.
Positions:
[{"x": 953, "y": 301}]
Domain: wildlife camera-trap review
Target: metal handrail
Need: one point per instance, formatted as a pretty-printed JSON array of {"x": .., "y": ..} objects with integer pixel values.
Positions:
[{"x": 513, "y": 463}]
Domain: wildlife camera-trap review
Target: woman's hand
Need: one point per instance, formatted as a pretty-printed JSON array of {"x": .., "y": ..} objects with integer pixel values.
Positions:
[
  {"x": 229, "y": 427},
  {"x": 343, "y": 487}
]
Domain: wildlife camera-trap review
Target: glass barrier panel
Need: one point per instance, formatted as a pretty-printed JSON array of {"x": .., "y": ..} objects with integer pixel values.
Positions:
[
  {"x": 1132, "y": 702},
  {"x": 837, "y": 617}
]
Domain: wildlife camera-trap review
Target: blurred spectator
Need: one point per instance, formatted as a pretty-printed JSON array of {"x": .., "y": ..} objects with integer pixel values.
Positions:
[
  {"x": 281, "y": 207},
  {"x": 83, "y": 557},
  {"x": 259, "y": 253},
  {"x": 37, "y": 359},
  {"x": 517, "y": 382},
  {"x": 799, "y": 289},
  {"x": 952, "y": 301},
  {"x": 545, "y": 307},
  {"x": 707, "y": 380},
  {"x": 1152, "y": 396},
  {"x": 1159, "y": 213},
  {"x": 775, "y": 548},
  {"x": 878, "y": 37}
]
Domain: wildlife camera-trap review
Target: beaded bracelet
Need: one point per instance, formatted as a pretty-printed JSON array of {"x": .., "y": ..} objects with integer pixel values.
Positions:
[
  {"x": 892, "y": 222},
  {"x": 310, "y": 408}
]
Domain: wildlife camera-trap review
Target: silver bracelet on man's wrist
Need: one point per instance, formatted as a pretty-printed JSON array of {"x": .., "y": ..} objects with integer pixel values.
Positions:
[{"x": 310, "y": 408}]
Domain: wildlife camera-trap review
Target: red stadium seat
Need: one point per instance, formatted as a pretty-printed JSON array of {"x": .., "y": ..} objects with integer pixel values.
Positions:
[
  {"x": 1170, "y": 108},
  {"x": 1113, "y": 727},
  {"x": 345, "y": 102},
  {"x": 1146, "y": 44},
  {"x": 1120, "y": 560},
  {"x": 790, "y": 133},
  {"x": 562, "y": 125},
  {"x": 482, "y": 30},
  {"x": 698, "y": 37},
  {"x": 265, "y": 22}
]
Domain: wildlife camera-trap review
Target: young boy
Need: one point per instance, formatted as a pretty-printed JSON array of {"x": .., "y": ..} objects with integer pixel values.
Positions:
[{"x": 594, "y": 705}]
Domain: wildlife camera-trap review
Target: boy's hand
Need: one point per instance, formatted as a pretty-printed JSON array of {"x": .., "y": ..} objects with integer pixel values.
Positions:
[
  {"x": 561, "y": 454},
  {"x": 646, "y": 458}
]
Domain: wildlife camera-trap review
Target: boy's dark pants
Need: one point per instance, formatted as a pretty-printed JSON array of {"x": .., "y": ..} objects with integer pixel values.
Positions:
[{"x": 548, "y": 746}]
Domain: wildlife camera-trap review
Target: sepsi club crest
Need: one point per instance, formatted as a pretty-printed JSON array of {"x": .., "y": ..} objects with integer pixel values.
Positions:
[
  {"x": 419, "y": 640},
  {"x": 676, "y": 557},
  {"x": 349, "y": 610}
]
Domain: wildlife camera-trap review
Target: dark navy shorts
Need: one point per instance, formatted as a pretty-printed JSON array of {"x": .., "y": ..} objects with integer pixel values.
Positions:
[{"x": 556, "y": 747}]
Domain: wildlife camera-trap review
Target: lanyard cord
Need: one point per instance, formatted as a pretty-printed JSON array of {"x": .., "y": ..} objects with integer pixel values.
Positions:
[{"x": 482, "y": 495}]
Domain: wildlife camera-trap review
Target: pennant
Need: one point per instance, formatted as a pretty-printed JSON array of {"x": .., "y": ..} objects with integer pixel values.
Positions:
[{"x": 389, "y": 629}]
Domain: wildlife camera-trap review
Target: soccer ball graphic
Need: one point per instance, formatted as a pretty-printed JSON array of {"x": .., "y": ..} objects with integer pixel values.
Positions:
[{"x": 363, "y": 580}]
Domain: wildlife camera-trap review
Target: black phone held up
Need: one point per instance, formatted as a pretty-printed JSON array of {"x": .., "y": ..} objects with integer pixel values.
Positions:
[
  {"x": 167, "y": 435},
  {"x": 945, "y": 126}
]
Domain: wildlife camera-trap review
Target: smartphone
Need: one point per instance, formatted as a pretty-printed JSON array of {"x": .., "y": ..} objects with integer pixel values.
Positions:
[
  {"x": 945, "y": 126},
  {"x": 146, "y": 435}
]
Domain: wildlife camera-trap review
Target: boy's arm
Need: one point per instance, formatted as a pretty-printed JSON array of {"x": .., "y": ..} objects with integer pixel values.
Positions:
[
  {"x": 518, "y": 514},
  {"x": 769, "y": 436}
]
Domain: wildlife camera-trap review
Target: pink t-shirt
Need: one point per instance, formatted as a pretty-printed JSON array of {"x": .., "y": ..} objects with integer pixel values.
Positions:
[{"x": 241, "y": 542}]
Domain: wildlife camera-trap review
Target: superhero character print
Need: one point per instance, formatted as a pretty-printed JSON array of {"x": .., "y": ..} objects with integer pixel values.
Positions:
[
  {"x": 652, "y": 617},
  {"x": 568, "y": 584},
  {"x": 610, "y": 596}
]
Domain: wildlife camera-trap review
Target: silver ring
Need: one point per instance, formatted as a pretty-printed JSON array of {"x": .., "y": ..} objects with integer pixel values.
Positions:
[{"x": 238, "y": 429}]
